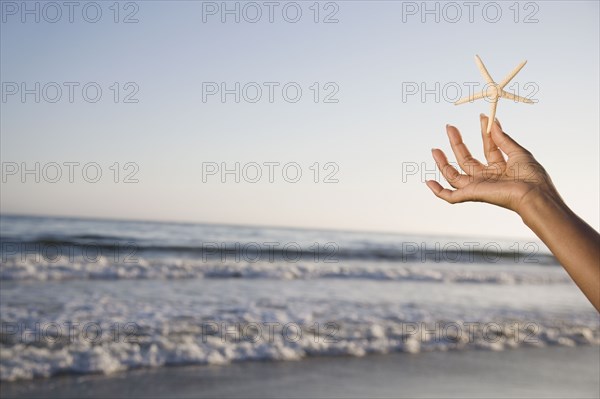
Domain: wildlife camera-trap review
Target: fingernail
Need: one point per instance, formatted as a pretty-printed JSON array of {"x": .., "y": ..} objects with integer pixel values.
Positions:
[
  {"x": 433, "y": 149},
  {"x": 481, "y": 116}
]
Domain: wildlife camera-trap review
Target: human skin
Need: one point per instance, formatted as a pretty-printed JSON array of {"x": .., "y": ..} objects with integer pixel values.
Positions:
[{"x": 519, "y": 183}]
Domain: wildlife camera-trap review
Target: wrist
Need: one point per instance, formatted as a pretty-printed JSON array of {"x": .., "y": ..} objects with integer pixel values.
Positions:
[{"x": 537, "y": 206}]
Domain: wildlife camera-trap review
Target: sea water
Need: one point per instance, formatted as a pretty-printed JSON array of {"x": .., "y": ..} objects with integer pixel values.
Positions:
[{"x": 101, "y": 296}]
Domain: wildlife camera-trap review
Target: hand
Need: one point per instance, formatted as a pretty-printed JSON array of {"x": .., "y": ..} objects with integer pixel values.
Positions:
[
  {"x": 521, "y": 184},
  {"x": 509, "y": 183}
]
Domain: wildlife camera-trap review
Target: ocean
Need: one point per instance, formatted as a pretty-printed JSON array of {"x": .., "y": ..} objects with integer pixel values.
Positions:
[{"x": 82, "y": 296}]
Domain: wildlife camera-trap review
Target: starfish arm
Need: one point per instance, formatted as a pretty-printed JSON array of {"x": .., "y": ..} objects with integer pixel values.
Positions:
[
  {"x": 492, "y": 116},
  {"x": 512, "y": 74},
  {"x": 483, "y": 70},
  {"x": 514, "y": 97},
  {"x": 470, "y": 98}
]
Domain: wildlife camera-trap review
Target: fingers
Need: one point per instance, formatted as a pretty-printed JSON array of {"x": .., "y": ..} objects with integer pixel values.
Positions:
[
  {"x": 498, "y": 122},
  {"x": 505, "y": 142},
  {"x": 449, "y": 172},
  {"x": 466, "y": 161},
  {"x": 492, "y": 153},
  {"x": 450, "y": 196}
]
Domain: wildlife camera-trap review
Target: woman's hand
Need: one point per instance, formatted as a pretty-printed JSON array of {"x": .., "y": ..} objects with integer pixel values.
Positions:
[
  {"x": 520, "y": 183},
  {"x": 508, "y": 183}
]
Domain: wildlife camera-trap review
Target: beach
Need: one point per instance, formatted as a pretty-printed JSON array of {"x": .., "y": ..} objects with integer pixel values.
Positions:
[
  {"x": 144, "y": 309},
  {"x": 282, "y": 199}
]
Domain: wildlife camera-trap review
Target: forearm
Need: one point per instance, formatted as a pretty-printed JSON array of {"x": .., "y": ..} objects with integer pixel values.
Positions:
[{"x": 573, "y": 242}]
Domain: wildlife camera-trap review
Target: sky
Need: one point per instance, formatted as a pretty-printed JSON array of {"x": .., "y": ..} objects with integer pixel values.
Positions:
[{"x": 145, "y": 109}]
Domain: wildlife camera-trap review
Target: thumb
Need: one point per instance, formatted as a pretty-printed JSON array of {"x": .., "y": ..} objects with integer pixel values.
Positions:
[{"x": 504, "y": 141}]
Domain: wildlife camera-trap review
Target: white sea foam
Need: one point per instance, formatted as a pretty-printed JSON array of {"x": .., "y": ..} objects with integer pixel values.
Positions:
[
  {"x": 188, "y": 346},
  {"x": 128, "y": 324},
  {"x": 104, "y": 268},
  {"x": 168, "y": 306}
]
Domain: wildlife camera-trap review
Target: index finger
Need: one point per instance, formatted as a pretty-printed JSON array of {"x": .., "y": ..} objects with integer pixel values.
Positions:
[
  {"x": 466, "y": 161},
  {"x": 490, "y": 149}
]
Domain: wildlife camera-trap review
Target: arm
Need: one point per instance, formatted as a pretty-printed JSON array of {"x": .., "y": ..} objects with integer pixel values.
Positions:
[
  {"x": 521, "y": 184},
  {"x": 575, "y": 244}
]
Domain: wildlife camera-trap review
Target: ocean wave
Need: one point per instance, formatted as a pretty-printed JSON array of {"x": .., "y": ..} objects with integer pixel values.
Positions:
[
  {"x": 194, "y": 343},
  {"x": 153, "y": 295},
  {"x": 401, "y": 251},
  {"x": 105, "y": 269}
]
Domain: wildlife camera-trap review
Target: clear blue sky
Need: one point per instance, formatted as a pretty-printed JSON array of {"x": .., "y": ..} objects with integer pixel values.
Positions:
[{"x": 376, "y": 49}]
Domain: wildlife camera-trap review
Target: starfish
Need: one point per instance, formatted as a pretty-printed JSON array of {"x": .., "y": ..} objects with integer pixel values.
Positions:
[{"x": 494, "y": 90}]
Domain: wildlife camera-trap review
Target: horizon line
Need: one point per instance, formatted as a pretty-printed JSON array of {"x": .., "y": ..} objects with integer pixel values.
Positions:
[{"x": 247, "y": 226}]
